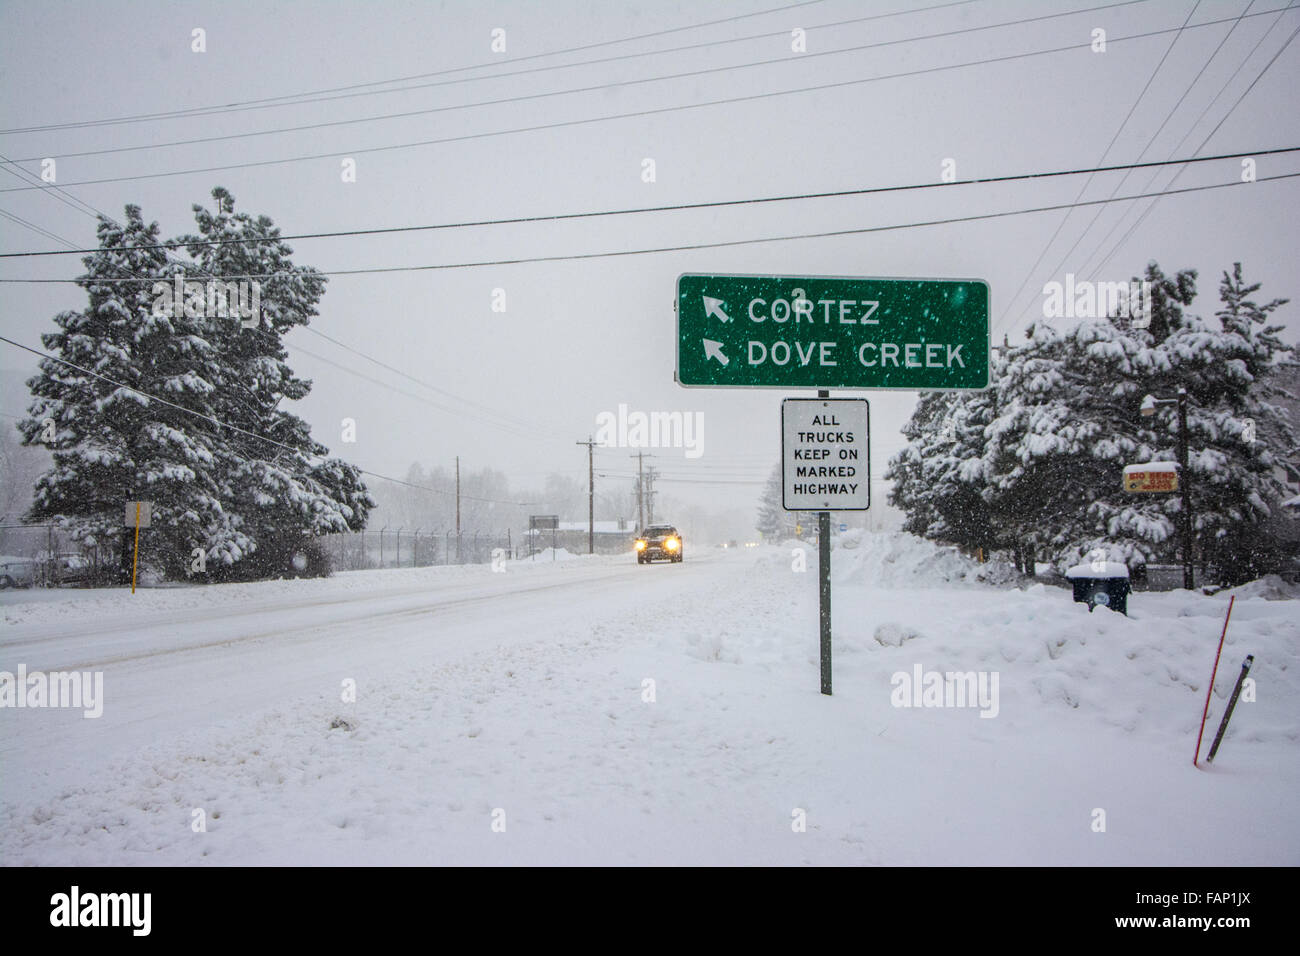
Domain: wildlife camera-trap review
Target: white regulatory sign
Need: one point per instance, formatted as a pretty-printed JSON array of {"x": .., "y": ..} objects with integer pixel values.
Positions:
[
  {"x": 825, "y": 454},
  {"x": 145, "y": 511}
]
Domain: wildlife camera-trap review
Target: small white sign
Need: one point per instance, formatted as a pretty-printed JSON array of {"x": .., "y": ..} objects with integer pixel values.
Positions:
[
  {"x": 145, "y": 510},
  {"x": 825, "y": 454}
]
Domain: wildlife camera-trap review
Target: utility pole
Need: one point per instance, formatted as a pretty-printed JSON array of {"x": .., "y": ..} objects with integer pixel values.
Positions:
[
  {"x": 591, "y": 494},
  {"x": 650, "y": 496},
  {"x": 458, "y": 509},
  {"x": 640, "y": 484},
  {"x": 1148, "y": 409},
  {"x": 1184, "y": 483}
]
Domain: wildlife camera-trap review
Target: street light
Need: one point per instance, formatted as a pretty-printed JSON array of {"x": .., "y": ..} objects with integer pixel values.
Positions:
[{"x": 1147, "y": 409}]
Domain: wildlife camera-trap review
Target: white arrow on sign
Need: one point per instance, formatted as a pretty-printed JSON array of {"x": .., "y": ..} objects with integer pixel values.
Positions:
[
  {"x": 714, "y": 350},
  {"x": 714, "y": 307}
]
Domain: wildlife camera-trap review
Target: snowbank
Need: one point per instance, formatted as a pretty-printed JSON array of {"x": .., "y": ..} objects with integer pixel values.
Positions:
[
  {"x": 1271, "y": 587},
  {"x": 898, "y": 558}
]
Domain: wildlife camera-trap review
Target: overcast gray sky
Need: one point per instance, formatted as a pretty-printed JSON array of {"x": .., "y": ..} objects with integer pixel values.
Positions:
[{"x": 580, "y": 337}]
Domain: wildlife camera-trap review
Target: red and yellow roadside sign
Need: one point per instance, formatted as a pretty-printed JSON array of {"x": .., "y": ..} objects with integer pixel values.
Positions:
[{"x": 1155, "y": 476}]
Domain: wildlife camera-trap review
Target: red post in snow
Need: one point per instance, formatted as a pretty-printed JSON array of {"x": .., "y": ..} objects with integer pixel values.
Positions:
[{"x": 1210, "y": 690}]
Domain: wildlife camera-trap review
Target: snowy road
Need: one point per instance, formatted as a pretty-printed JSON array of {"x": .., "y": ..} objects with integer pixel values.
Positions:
[
  {"x": 221, "y": 656},
  {"x": 521, "y": 697}
]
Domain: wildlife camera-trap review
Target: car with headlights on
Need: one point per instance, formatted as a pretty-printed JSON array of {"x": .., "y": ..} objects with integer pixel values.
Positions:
[{"x": 658, "y": 542}]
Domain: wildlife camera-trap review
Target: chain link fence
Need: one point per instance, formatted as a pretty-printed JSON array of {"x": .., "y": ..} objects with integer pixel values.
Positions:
[
  {"x": 42, "y": 555},
  {"x": 418, "y": 548}
]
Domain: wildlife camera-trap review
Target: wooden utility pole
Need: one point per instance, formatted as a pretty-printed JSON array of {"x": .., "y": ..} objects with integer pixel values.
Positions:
[
  {"x": 591, "y": 494},
  {"x": 640, "y": 486},
  {"x": 1185, "y": 487},
  {"x": 650, "y": 496}
]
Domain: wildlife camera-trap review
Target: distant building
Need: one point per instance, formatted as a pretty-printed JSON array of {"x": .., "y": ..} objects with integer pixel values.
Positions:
[{"x": 610, "y": 537}]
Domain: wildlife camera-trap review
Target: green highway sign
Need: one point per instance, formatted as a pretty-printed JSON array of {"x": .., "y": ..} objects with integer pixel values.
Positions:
[{"x": 832, "y": 332}]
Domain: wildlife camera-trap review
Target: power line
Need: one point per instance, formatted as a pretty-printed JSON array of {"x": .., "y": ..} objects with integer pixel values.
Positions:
[
  {"x": 234, "y": 428},
  {"x": 520, "y": 431},
  {"x": 98, "y": 214},
  {"x": 674, "y": 207},
  {"x": 1109, "y": 146},
  {"x": 33, "y": 227},
  {"x": 388, "y": 385},
  {"x": 1201, "y": 72},
  {"x": 1140, "y": 219},
  {"x": 249, "y": 104},
  {"x": 599, "y": 87},
  {"x": 529, "y": 430},
  {"x": 565, "y": 66},
  {"x": 56, "y": 192},
  {"x": 1119, "y": 185},
  {"x": 334, "y": 154},
  {"x": 866, "y": 230},
  {"x": 519, "y": 428},
  {"x": 685, "y": 481}
]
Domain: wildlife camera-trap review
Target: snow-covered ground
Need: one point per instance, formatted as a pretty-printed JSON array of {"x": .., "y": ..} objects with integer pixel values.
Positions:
[{"x": 521, "y": 697}]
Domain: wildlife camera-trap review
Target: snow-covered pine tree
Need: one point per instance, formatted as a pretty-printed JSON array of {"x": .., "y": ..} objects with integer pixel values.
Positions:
[
  {"x": 1169, "y": 295},
  {"x": 1064, "y": 429},
  {"x": 911, "y": 492},
  {"x": 774, "y": 522},
  {"x": 1272, "y": 366},
  {"x": 1069, "y": 424},
  {"x": 282, "y": 491},
  {"x": 939, "y": 477},
  {"x": 1045, "y": 446},
  {"x": 112, "y": 444},
  {"x": 956, "y": 472},
  {"x": 1243, "y": 439}
]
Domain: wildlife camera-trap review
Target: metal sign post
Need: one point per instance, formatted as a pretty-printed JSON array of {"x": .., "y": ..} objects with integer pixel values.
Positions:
[
  {"x": 824, "y": 595},
  {"x": 825, "y": 466},
  {"x": 538, "y": 523}
]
